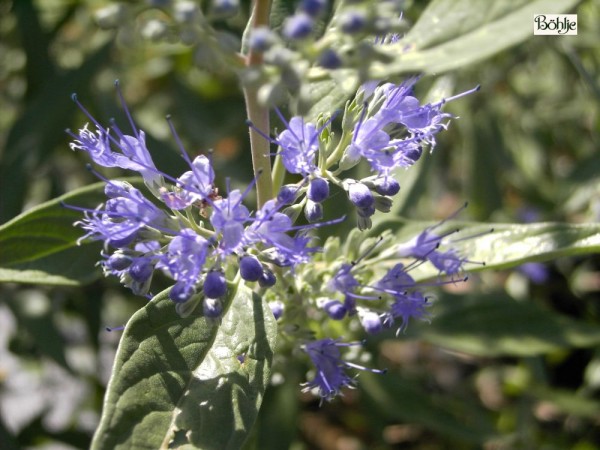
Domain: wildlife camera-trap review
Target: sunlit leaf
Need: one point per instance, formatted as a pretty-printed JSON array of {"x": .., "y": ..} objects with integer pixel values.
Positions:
[
  {"x": 502, "y": 246},
  {"x": 452, "y": 34},
  {"x": 192, "y": 383}
]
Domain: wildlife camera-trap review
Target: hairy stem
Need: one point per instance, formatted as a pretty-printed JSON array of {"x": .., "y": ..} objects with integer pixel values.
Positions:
[{"x": 258, "y": 114}]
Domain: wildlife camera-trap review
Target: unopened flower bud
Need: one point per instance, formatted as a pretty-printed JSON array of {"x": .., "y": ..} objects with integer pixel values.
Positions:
[
  {"x": 267, "y": 279},
  {"x": 335, "y": 309},
  {"x": 212, "y": 308},
  {"x": 318, "y": 190},
  {"x": 386, "y": 186},
  {"x": 287, "y": 194},
  {"x": 329, "y": 59},
  {"x": 215, "y": 285},
  {"x": 352, "y": 21},
  {"x": 370, "y": 321},
  {"x": 181, "y": 292},
  {"x": 225, "y": 8},
  {"x": 313, "y": 7},
  {"x": 277, "y": 308},
  {"x": 298, "y": 26},
  {"x": 261, "y": 39},
  {"x": 118, "y": 262},
  {"x": 250, "y": 268},
  {"x": 313, "y": 211},
  {"x": 360, "y": 195}
]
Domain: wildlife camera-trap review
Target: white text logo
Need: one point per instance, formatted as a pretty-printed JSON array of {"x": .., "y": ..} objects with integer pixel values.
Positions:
[{"x": 556, "y": 24}]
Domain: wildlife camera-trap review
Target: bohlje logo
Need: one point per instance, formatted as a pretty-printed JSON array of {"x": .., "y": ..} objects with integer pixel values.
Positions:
[{"x": 556, "y": 24}]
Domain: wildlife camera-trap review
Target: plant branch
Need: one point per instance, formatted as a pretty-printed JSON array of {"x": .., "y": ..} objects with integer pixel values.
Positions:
[{"x": 259, "y": 114}]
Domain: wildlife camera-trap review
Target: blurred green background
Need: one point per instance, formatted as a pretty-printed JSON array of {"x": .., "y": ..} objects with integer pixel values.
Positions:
[{"x": 524, "y": 149}]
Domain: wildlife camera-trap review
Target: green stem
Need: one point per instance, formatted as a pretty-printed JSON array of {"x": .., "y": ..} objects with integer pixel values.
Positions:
[{"x": 259, "y": 114}]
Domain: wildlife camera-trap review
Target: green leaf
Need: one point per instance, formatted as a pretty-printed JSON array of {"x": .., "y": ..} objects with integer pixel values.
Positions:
[
  {"x": 449, "y": 35},
  {"x": 567, "y": 401},
  {"x": 34, "y": 136},
  {"x": 40, "y": 245},
  {"x": 452, "y": 34},
  {"x": 503, "y": 246},
  {"x": 46, "y": 228},
  {"x": 512, "y": 244},
  {"x": 71, "y": 267},
  {"x": 189, "y": 383},
  {"x": 497, "y": 325},
  {"x": 401, "y": 399}
]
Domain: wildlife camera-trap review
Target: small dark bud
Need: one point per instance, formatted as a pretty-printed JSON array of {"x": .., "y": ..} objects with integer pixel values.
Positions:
[
  {"x": 250, "y": 268},
  {"x": 215, "y": 285}
]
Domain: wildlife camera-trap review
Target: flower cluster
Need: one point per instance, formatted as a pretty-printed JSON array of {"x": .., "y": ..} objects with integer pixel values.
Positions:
[
  {"x": 377, "y": 299},
  {"x": 204, "y": 239},
  {"x": 189, "y": 231},
  {"x": 385, "y": 125}
]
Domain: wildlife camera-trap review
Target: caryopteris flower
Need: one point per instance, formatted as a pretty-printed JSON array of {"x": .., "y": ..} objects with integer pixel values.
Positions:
[
  {"x": 189, "y": 231},
  {"x": 205, "y": 240},
  {"x": 330, "y": 369}
]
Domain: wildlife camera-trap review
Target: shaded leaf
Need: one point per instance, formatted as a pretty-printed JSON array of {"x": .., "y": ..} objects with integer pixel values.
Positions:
[
  {"x": 496, "y": 325},
  {"x": 71, "y": 267},
  {"x": 40, "y": 129},
  {"x": 567, "y": 401},
  {"x": 179, "y": 382},
  {"x": 400, "y": 399},
  {"x": 40, "y": 245},
  {"x": 47, "y": 228}
]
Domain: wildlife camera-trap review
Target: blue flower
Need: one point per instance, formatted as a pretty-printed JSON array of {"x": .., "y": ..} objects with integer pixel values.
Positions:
[
  {"x": 184, "y": 260},
  {"x": 228, "y": 218},
  {"x": 122, "y": 217},
  {"x": 426, "y": 247},
  {"x": 330, "y": 376},
  {"x": 406, "y": 306},
  {"x": 134, "y": 154},
  {"x": 272, "y": 228},
  {"x": 195, "y": 185},
  {"x": 299, "y": 144}
]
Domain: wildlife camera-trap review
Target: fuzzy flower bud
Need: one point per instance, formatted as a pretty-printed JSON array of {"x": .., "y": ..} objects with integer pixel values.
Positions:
[
  {"x": 352, "y": 21},
  {"x": 335, "y": 309},
  {"x": 277, "y": 308},
  {"x": 215, "y": 285},
  {"x": 267, "y": 279},
  {"x": 298, "y": 26},
  {"x": 386, "y": 186},
  {"x": 250, "y": 268},
  {"x": 313, "y": 211},
  {"x": 225, "y": 8},
  {"x": 318, "y": 190},
  {"x": 313, "y": 7},
  {"x": 360, "y": 195},
  {"x": 329, "y": 59},
  {"x": 370, "y": 321},
  {"x": 118, "y": 261},
  {"x": 261, "y": 39},
  {"x": 212, "y": 308},
  {"x": 287, "y": 194}
]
